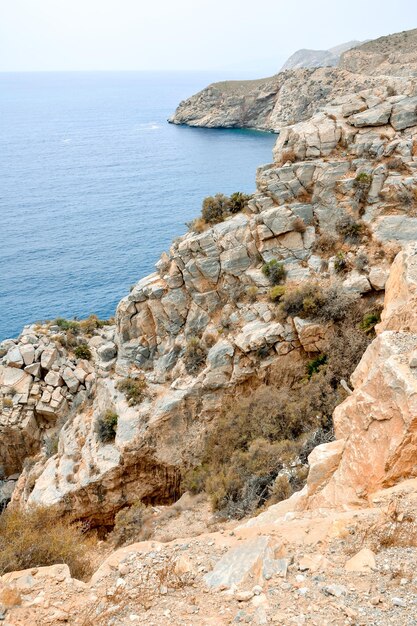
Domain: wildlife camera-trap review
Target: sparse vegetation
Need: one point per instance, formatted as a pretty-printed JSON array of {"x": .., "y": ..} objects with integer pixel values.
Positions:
[
  {"x": 315, "y": 364},
  {"x": 340, "y": 263},
  {"x": 37, "y": 537},
  {"x": 131, "y": 524},
  {"x": 349, "y": 228},
  {"x": 276, "y": 293},
  {"x": 275, "y": 271},
  {"x": 133, "y": 388},
  {"x": 217, "y": 208},
  {"x": 325, "y": 243},
  {"x": 106, "y": 426},
  {"x": 299, "y": 225},
  {"x": 370, "y": 320},
  {"x": 252, "y": 293},
  {"x": 82, "y": 352},
  {"x": 270, "y": 432},
  {"x": 287, "y": 156},
  {"x": 194, "y": 356}
]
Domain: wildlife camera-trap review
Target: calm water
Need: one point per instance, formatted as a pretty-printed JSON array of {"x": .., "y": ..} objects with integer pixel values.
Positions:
[{"x": 94, "y": 184}]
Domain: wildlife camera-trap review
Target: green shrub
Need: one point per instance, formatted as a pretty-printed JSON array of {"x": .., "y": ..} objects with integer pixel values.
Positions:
[
  {"x": 274, "y": 271},
  {"x": 67, "y": 324},
  {"x": 194, "y": 356},
  {"x": 369, "y": 321},
  {"x": 37, "y": 537},
  {"x": 238, "y": 201},
  {"x": 363, "y": 180},
  {"x": 106, "y": 426},
  {"x": 315, "y": 364},
  {"x": 82, "y": 352},
  {"x": 340, "y": 263},
  {"x": 133, "y": 388},
  {"x": 276, "y": 293}
]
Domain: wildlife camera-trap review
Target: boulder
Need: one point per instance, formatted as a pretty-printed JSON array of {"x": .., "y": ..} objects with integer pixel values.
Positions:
[
  {"x": 256, "y": 334},
  {"x": 28, "y": 353},
  {"x": 107, "y": 351},
  {"x": 376, "y": 116},
  {"x": 14, "y": 357},
  {"x": 48, "y": 358},
  {"x": 404, "y": 114}
]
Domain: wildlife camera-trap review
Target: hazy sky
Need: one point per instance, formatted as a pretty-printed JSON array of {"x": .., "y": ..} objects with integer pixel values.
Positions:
[{"x": 185, "y": 34}]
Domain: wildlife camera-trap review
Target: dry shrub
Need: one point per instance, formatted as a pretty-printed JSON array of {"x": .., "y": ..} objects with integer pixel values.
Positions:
[
  {"x": 252, "y": 293},
  {"x": 131, "y": 524},
  {"x": 194, "y": 356},
  {"x": 287, "y": 156},
  {"x": 397, "y": 528},
  {"x": 133, "y": 388},
  {"x": 299, "y": 225},
  {"x": 330, "y": 303},
  {"x": 305, "y": 196},
  {"x": 269, "y": 432},
  {"x": 397, "y": 164},
  {"x": 325, "y": 243},
  {"x": 198, "y": 225},
  {"x": 151, "y": 585},
  {"x": 38, "y": 537}
]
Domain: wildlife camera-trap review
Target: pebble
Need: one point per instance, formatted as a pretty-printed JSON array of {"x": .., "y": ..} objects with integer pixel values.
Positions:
[{"x": 399, "y": 602}]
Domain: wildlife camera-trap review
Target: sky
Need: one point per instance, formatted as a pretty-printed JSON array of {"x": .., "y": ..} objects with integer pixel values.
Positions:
[{"x": 230, "y": 35}]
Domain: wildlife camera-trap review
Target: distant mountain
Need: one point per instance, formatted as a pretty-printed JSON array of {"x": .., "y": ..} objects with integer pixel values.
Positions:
[{"x": 318, "y": 58}]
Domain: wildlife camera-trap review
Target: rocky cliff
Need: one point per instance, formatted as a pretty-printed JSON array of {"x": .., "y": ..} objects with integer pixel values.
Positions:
[
  {"x": 355, "y": 160},
  {"x": 334, "y": 208},
  {"x": 296, "y": 94}
]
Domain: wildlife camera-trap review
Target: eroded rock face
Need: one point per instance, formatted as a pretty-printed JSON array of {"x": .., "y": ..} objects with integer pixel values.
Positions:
[
  {"x": 376, "y": 426},
  {"x": 297, "y": 94},
  {"x": 209, "y": 291}
]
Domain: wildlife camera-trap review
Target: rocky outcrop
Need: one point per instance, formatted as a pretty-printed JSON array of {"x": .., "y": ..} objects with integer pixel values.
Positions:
[
  {"x": 394, "y": 55},
  {"x": 210, "y": 298},
  {"x": 376, "y": 426},
  {"x": 295, "y": 95}
]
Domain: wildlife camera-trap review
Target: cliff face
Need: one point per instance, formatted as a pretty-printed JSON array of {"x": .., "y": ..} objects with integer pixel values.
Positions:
[
  {"x": 296, "y": 94},
  {"x": 355, "y": 159}
]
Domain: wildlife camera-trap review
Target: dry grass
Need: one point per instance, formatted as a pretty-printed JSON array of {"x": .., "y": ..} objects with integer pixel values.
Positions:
[
  {"x": 150, "y": 585},
  {"x": 38, "y": 537},
  {"x": 287, "y": 156},
  {"x": 397, "y": 529}
]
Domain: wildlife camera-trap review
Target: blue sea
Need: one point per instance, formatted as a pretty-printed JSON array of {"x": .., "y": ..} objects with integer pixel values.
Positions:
[{"x": 95, "y": 184}]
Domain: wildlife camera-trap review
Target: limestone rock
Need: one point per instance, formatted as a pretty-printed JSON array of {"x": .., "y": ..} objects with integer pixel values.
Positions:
[{"x": 363, "y": 561}]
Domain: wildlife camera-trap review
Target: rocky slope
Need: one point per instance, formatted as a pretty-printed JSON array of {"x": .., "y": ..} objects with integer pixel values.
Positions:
[
  {"x": 296, "y": 94},
  {"x": 335, "y": 207},
  {"x": 355, "y": 159},
  {"x": 317, "y": 58}
]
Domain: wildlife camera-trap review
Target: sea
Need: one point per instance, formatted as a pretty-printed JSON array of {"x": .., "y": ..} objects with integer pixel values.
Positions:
[{"x": 95, "y": 184}]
